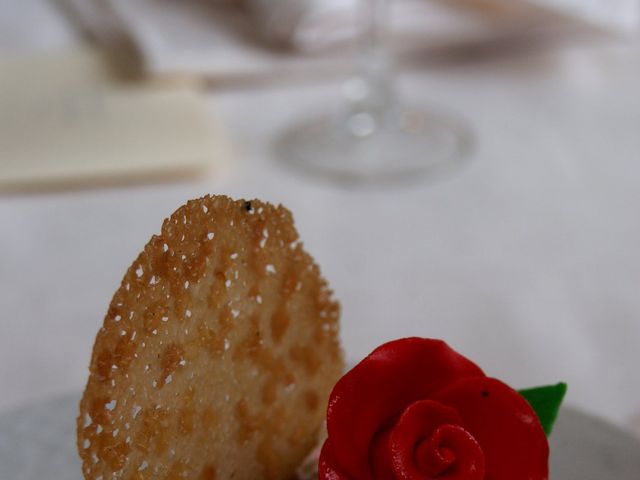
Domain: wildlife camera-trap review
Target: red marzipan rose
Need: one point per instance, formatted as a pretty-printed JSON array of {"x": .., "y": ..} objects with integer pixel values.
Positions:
[{"x": 416, "y": 409}]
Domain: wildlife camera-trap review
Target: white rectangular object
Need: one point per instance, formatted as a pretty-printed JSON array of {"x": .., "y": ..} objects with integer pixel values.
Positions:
[{"x": 66, "y": 118}]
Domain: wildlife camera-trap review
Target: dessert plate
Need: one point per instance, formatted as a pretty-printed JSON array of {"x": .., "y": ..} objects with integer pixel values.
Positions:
[{"x": 38, "y": 443}]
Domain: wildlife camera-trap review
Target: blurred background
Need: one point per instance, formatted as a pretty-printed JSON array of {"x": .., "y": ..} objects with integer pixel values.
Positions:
[{"x": 462, "y": 169}]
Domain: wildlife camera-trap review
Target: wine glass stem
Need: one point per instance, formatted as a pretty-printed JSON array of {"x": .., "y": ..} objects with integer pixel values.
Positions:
[{"x": 371, "y": 101}]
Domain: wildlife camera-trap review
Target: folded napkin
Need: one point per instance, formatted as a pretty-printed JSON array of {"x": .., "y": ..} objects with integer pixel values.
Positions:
[
  {"x": 235, "y": 40},
  {"x": 96, "y": 128}
]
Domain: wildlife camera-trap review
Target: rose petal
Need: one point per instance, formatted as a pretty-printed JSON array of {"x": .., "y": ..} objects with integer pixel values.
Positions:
[
  {"x": 326, "y": 465},
  {"x": 428, "y": 442},
  {"x": 416, "y": 424},
  {"x": 380, "y": 459},
  {"x": 505, "y": 426},
  {"x": 433, "y": 458},
  {"x": 459, "y": 455},
  {"x": 371, "y": 396}
]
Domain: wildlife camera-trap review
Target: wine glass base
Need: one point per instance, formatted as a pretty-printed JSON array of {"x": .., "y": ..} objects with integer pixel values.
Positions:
[{"x": 420, "y": 146}]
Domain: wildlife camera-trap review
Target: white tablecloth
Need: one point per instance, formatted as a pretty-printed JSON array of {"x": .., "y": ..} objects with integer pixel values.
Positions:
[{"x": 528, "y": 261}]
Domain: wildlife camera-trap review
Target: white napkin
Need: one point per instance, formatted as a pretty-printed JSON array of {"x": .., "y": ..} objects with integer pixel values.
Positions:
[
  {"x": 95, "y": 129},
  {"x": 226, "y": 42}
]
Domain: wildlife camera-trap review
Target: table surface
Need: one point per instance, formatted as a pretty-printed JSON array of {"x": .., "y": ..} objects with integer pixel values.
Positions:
[{"x": 527, "y": 261}]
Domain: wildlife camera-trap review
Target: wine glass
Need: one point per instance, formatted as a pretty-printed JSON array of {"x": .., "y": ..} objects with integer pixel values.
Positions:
[{"x": 374, "y": 138}]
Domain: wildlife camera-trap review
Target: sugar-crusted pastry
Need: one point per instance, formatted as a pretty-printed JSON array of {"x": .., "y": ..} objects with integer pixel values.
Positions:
[{"x": 217, "y": 353}]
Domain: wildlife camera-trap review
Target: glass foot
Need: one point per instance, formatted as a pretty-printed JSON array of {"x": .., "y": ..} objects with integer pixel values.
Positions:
[{"x": 418, "y": 146}]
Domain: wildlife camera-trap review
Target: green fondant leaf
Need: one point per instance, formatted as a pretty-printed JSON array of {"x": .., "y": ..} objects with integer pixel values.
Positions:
[{"x": 546, "y": 403}]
